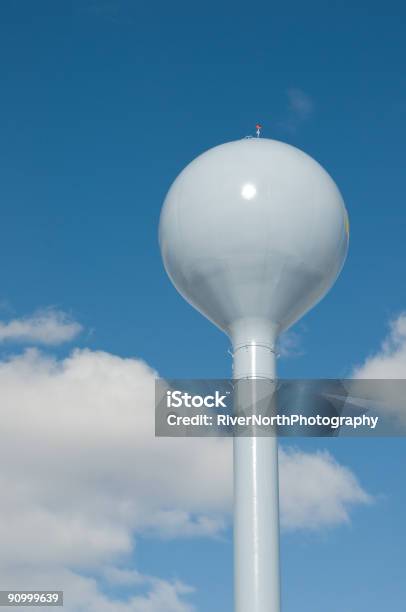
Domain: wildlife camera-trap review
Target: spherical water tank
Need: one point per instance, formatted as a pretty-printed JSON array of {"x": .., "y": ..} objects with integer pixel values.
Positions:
[{"x": 253, "y": 233}]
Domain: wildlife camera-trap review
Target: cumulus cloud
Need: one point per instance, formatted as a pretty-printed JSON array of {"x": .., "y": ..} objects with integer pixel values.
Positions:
[
  {"x": 316, "y": 491},
  {"x": 380, "y": 380},
  {"x": 389, "y": 362},
  {"x": 82, "y": 593},
  {"x": 43, "y": 327},
  {"x": 83, "y": 474}
]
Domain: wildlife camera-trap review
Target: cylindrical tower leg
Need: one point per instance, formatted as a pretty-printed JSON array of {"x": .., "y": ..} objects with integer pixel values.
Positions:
[{"x": 256, "y": 500}]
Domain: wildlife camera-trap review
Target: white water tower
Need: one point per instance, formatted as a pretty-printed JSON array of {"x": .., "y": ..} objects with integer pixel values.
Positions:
[{"x": 253, "y": 233}]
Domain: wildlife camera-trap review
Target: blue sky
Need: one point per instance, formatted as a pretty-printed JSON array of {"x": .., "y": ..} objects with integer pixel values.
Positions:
[{"x": 103, "y": 103}]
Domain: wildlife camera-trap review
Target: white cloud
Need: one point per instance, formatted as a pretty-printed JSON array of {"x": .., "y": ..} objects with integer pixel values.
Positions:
[
  {"x": 43, "y": 327},
  {"x": 390, "y": 360},
  {"x": 316, "y": 491},
  {"x": 82, "y": 593},
  {"x": 385, "y": 366},
  {"x": 84, "y": 474}
]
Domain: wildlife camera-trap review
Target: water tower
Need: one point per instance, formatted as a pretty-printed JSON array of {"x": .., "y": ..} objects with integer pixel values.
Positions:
[{"x": 253, "y": 233}]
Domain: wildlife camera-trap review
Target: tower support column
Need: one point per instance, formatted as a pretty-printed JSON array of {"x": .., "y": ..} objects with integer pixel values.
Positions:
[{"x": 256, "y": 494}]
